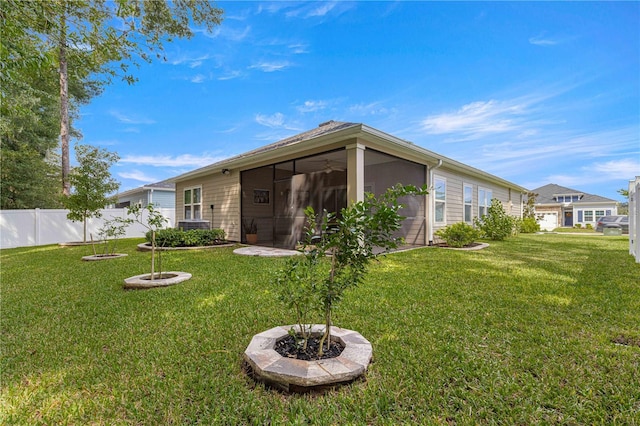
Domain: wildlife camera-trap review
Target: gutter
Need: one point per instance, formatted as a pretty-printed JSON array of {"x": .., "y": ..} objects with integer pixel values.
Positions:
[{"x": 431, "y": 202}]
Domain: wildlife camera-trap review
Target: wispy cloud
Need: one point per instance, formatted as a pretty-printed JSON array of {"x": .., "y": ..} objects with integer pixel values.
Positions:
[
  {"x": 190, "y": 61},
  {"x": 312, "y": 106},
  {"x": 477, "y": 118},
  {"x": 616, "y": 169},
  {"x": 184, "y": 160},
  {"x": 271, "y": 66},
  {"x": 226, "y": 32},
  {"x": 130, "y": 119},
  {"x": 198, "y": 78},
  {"x": 276, "y": 121},
  {"x": 543, "y": 40},
  {"x": 368, "y": 109},
  {"x": 137, "y": 175},
  {"x": 230, "y": 75},
  {"x": 298, "y": 48},
  {"x": 322, "y": 9}
]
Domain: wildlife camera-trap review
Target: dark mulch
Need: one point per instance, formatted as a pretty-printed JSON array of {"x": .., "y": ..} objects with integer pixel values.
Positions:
[
  {"x": 627, "y": 340},
  {"x": 289, "y": 348}
]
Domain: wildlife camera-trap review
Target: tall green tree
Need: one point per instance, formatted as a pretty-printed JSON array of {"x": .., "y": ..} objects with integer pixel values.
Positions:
[
  {"x": 114, "y": 35},
  {"x": 30, "y": 108},
  {"x": 87, "y": 43},
  {"x": 92, "y": 185}
]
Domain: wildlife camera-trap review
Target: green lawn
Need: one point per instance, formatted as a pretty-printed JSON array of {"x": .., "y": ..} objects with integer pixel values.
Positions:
[{"x": 519, "y": 333}]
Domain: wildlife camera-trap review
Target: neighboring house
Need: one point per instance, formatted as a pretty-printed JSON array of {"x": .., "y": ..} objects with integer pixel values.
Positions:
[
  {"x": 327, "y": 167},
  {"x": 558, "y": 206},
  {"x": 160, "y": 194}
]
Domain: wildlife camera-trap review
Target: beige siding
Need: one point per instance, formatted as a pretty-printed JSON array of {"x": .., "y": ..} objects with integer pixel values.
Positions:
[
  {"x": 455, "y": 195},
  {"x": 223, "y": 191}
]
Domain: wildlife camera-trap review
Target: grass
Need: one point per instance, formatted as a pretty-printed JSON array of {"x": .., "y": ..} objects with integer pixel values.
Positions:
[{"x": 539, "y": 329}]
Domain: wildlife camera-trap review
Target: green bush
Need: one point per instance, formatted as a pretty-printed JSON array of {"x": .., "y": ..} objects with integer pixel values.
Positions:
[
  {"x": 589, "y": 226},
  {"x": 496, "y": 224},
  {"x": 459, "y": 234},
  {"x": 173, "y": 237},
  {"x": 577, "y": 226},
  {"x": 528, "y": 225}
]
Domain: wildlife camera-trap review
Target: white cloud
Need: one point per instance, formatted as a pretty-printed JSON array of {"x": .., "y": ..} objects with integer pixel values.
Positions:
[
  {"x": 322, "y": 9},
  {"x": 372, "y": 108},
  {"x": 312, "y": 106},
  {"x": 541, "y": 40},
  {"x": 229, "y": 75},
  {"x": 198, "y": 78},
  {"x": 184, "y": 160},
  {"x": 298, "y": 48},
  {"x": 271, "y": 66},
  {"x": 130, "y": 119},
  {"x": 276, "y": 121},
  {"x": 616, "y": 169},
  {"x": 137, "y": 175},
  {"x": 478, "y": 118}
]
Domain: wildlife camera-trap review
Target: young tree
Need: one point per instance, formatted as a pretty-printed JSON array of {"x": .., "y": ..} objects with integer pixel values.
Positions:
[
  {"x": 352, "y": 240},
  {"x": 92, "y": 183}
]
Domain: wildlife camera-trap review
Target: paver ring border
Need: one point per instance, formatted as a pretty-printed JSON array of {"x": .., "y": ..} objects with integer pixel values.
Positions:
[{"x": 295, "y": 375}]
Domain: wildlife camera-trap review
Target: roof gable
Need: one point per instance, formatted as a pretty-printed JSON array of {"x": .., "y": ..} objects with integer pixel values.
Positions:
[{"x": 547, "y": 194}]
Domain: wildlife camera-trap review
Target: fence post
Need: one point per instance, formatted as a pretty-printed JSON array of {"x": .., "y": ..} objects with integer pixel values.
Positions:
[{"x": 36, "y": 225}]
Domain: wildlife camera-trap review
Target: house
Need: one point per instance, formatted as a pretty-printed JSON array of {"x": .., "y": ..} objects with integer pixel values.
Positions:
[
  {"x": 160, "y": 194},
  {"x": 558, "y": 206},
  {"x": 327, "y": 167}
]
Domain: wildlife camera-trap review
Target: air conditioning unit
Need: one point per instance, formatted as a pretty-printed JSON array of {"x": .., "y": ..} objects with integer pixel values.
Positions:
[{"x": 187, "y": 225}]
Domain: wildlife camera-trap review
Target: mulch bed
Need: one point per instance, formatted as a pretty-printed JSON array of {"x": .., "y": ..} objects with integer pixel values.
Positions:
[{"x": 289, "y": 348}]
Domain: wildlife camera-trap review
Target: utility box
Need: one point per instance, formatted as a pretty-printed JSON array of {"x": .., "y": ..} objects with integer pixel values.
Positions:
[{"x": 612, "y": 230}]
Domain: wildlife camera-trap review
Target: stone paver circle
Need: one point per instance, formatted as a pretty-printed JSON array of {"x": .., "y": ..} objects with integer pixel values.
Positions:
[
  {"x": 298, "y": 375},
  {"x": 143, "y": 281}
]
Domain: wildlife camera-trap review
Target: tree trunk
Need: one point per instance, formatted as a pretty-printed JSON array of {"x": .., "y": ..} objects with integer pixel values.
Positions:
[
  {"x": 64, "y": 106},
  {"x": 153, "y": 254}
]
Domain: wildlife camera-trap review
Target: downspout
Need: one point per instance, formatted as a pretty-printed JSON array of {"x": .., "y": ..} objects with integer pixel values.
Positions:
[{"x": 431, "y": 203}]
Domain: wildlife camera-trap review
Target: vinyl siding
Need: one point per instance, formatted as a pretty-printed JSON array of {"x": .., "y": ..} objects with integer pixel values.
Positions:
[{"x": 223, "y": 191}]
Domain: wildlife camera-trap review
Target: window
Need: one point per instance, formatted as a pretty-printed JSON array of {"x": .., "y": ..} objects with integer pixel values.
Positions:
[
  {"x": 468, "y": 203},
  {"x": 599, "y": 214},
  {"x": 193, "y": 203},
  {"x": 588, "y": 215},
  {"x": 440, "y": 188},
  {"x": 484, "y": 201}
]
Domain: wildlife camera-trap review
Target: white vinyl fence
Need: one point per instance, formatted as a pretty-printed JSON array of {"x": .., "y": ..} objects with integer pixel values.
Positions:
[
  {"x": 634, "y": 218},
  {"x": 24, "y": 228}
]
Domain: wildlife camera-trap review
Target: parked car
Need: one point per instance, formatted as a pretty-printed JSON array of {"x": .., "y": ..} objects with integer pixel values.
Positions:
[{"x": 613, "y": 221}]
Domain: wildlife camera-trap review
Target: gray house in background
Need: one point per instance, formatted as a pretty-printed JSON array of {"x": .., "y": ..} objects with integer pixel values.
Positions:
[
  {"x": 160, "y": 194},
  {"x": 558, "y": 206}
]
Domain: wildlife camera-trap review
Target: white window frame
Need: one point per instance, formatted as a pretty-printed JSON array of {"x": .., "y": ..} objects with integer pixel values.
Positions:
[
  {"x": 484, "y": 201},
  {"x": 194, "y": 213},
  {"x": 467, "y": 202},
  {"x": 439, "y": 201}
]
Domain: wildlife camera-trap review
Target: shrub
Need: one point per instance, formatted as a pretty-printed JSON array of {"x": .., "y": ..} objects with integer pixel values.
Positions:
[
  {"x": 529, "y": 225},
  {"x": 173, "y": 237},
  {"x": 577, "y": 226},
  {"x": 496, "y": 224},
  {"x": 459, "y": 234},
  {"x": 589, "y": 226}
]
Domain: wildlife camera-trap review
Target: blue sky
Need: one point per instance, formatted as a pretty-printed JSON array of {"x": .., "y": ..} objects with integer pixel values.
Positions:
[{"x": 536, "y": 93}]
